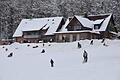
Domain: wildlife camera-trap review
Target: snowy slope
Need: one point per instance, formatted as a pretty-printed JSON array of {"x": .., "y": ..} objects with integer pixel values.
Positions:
[{"x": 29, "y": 63}]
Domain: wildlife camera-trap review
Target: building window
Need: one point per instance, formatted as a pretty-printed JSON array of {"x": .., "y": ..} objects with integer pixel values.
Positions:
[
  {"x": 96, "y": 27},
  {"x": 60, "y": 37},
  {"x": 78, "y": 22},
  {"x": 67, "y": 38},
  {"x": 31, "y": 35},
  {"x": 77, "y": 28},
  {"x": 83, "y": 36}
]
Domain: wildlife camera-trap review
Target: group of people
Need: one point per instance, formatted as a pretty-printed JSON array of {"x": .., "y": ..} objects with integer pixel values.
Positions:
[
  {"x": 85, "y": 54},
  {"x": 10, "y": 54},
  {"x": 103, "y": 41},
  {"x": 85, "y": 59}
]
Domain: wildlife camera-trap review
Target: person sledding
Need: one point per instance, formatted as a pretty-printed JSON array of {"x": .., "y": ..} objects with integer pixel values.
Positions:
[{"x": 10, "y": 55}]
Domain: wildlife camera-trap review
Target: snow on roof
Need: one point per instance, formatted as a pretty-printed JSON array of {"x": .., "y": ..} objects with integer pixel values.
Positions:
[
  {"x": 101, "y": 14},
  {"x": 114, "y": 33},
  {"x": 33, "y": 24},
  {"x": 98, "y": 21},
  {"x": 36, "y": 24},
  {"x": 90, "y": 23},
  {"x": 85, "y": 22},
  {"x": 65, "y": 25},
  {"x": 105, "y": 23},
  {"x": 18, "y": 32},
  {"x": 45, "y": 27},
  {"x": 53, "y": 26},
  {"x": 96, "y": 32},
  {"x": 73, "y": 31}
]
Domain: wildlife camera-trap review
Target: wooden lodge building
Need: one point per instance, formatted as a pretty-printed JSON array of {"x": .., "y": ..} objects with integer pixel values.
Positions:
[
  {"x": 87, "y": 27},
  {"x": 39, "y": 29},
  {"x": 76, "y": 28}
]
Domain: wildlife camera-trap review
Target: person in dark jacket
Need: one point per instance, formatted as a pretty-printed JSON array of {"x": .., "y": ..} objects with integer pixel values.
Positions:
[
  {"x": 103, "y": 40},
  {"x": 85, "y": 56},
  {"x": 6, "y": 49},
  {"x": 52, "y": 63},
  {"x": 91, "y": 43},
  {"x": 79, "y": 45},
  {"x": 43, "y": 44}
]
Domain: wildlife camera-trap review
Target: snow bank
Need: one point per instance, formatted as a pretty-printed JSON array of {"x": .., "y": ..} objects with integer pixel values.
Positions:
[{"x": 28, "y": 63}]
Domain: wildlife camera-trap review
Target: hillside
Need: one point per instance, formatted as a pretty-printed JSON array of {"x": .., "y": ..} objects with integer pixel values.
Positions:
[{"x": 28, "y": 63}]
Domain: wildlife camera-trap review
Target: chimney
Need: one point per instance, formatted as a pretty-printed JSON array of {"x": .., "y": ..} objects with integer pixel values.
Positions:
[{"x": 86, "y": 15}]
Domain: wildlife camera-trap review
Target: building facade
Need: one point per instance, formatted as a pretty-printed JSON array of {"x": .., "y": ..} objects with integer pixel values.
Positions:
[
  {"x": 57, "y": 30},
  {"x": 40, "y": 29},
  {"x": 88, "y": 27}
]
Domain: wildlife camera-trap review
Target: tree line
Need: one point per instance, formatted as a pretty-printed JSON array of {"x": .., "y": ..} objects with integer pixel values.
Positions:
[{"x": 13, "y": 11}]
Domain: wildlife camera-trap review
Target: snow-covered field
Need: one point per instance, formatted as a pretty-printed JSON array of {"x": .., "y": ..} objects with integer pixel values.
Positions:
[{"x": 29, "y": 63}]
